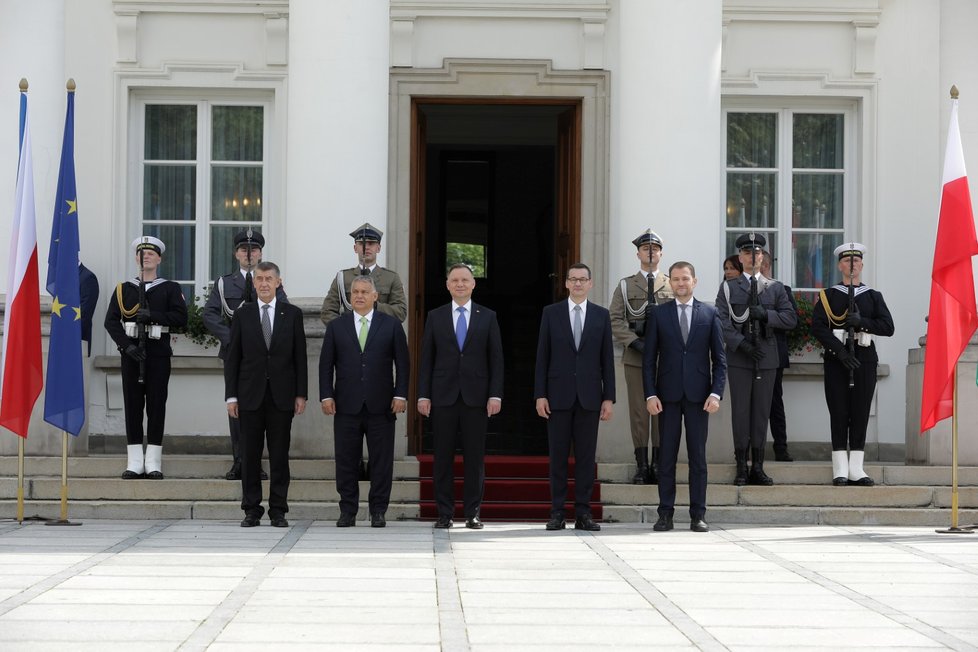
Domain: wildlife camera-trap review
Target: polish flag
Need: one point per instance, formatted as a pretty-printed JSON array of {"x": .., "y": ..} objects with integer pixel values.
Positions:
[
  {"x": 952, "y": 318},
  {"x": 21, "y": 379}
]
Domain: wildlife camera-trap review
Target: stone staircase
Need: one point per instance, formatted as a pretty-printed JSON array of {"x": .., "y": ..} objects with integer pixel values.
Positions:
[{"x": 195, "y": 488}]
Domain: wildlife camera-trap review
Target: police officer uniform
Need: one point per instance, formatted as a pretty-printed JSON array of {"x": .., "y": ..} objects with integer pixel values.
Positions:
[
  {"x": 390, "y": 291},
  {"x": 165, "y": 309},
  {"x": 629, "y": 302},
  {"x": 752, "y": 355},
  {"x": 228, "y": 293},
  {"x": 849, "y": 406}
]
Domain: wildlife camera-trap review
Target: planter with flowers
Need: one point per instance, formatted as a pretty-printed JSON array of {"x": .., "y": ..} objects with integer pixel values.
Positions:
[
  {"x": 802, "y": 345},
  {"x": 195, "y": 339}
]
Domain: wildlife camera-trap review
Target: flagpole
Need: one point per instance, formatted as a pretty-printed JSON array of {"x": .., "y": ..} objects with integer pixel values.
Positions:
[
  {"x": 20, "y": 444},
  {"x": 954, "y": 529},
  {"x": 64, "y": 483}
]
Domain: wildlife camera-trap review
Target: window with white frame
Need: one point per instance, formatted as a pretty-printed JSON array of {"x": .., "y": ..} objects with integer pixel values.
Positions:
[
  {"x": 201, "y": 180},
  {"x": 789, "y": 175}
]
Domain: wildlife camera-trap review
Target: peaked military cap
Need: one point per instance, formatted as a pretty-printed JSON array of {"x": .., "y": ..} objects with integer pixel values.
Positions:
[
  {"x": 850, "y": 249},
  {"x": 249, "y": 237},
  {"x": 367, "y": 232},
  {"x": 148, "y": 242},
  {"x": 648, "y": 237},
  {"x": 750, "y": 241}
]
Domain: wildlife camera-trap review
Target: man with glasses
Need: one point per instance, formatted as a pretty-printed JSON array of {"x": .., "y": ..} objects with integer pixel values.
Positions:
[{"x": 574, "y": 388}]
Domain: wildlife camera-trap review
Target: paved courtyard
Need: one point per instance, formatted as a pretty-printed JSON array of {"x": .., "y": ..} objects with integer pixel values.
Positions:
[{"x": 211, "y": 585}]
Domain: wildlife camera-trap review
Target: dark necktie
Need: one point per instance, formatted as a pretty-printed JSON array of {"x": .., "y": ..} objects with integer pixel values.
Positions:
[
  {"x": 578, "y": 327},
  {"x": 249, "y": 284},
  {"x": 461, "y": 328},
  {"x": 266, "y": 325},
  {"x": 684, "y": 321}
]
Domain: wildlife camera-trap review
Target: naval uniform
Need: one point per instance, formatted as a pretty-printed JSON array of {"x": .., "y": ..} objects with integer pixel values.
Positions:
[
  {"x": 168, "y": 310},
  {"x": 849, "y": 408},
  {"x": 390, "y": 294}
]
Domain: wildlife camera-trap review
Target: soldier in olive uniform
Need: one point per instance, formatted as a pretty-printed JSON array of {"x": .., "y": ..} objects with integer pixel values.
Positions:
[
  {"x": 390, "y": 290},
  {"x": 145, "y": 361},
  {"x": 633, "y": 296},
  {"x": 751, "y": 308},
  {"x": 228, "y": 293},
  {"x": 833, "y": 323}
]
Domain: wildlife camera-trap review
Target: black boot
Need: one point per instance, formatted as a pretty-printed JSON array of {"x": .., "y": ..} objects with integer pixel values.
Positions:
[
  {"x": 757, "y": 474},
  {"x": 641, "y": 465},
  {"x": 741, "y": 478},
  {"x": 651, "y": 477}
]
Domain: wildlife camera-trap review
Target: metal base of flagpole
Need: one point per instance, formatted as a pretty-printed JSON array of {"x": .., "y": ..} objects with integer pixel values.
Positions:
[
  {"x": 61, "y": 522},
  {"x": 950, "y": 530}
]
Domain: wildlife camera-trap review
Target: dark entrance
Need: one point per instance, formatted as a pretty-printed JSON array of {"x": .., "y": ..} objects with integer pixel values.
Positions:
[{"x": 496, "y": 186}]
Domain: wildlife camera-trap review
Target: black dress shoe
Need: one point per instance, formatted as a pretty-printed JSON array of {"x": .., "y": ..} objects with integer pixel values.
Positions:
[
  {"x": 378, "y": 520},
  {"x": 474, "y": 523},
  {"x": 556, "y": 522},
  {"x": 154, "y": 475},
  {"x": 234, "y": 473},
  {"x": 586, "y": 523},
  {"x": 783, "y": 456},
  {"x": 251, "y": 521},
  {"x": 699, "y": 525},
  {"x": 759, "y": 477},
  {"x": 263, "y": 475},
  {"x": 664, "y": 524},
  {"x": 131, "y": 475},
  {"x": 840, "y": 482},
  {"x": 443, "y": 523},
  {"x": 865, "y": 481},
  {"x": 279, "y": 521},
  {"x": 346, "y": 520}
]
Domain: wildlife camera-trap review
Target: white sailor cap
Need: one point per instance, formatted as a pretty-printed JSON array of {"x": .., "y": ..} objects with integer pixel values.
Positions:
[
  {"x": 148, "y": 242},
  {"x": 850, "y": 249}
]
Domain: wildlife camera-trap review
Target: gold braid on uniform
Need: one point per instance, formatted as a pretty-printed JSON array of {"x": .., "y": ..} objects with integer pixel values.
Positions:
[
  {"x": 127, "y": 313},
  {"x": 836, "y": 321}
]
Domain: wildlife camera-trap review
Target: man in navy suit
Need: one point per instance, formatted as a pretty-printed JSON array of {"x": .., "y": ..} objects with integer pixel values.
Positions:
[
  {"x": 684, "y": 350},
  {"x": 265, "y": 385},
  {"x": 574, "y": 389},
  {"x": 363, "y": 383},
  {"x": 460, "y": 385}
]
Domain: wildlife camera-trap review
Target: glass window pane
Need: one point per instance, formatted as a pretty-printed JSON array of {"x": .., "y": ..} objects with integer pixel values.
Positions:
[
  {"x": 178, "y": 260},
  {"x": 752, "y": 140},
  {"x": 237, "y": 133},
  {"x": 171, "y": 132},
  {"x": 169, "y": 192},
  {"x": 236, "y": 193},
  {"x": 751, "y": 200},
  {"x": 815, "y": 261},
  {"x": 222, "y": 259},
  {"x": 817, "y": 141},
  {"x": 816, "y": 201}
]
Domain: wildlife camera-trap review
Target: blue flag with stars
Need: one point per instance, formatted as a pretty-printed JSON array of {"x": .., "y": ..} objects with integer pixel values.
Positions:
[{"x": 64, "y": 398}]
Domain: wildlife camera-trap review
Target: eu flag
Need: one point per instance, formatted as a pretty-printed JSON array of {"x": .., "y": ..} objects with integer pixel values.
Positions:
[{"x": 64, "y": 399}]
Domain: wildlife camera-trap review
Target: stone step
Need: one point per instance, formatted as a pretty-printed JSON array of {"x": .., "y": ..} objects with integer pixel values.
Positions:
[
  {"x": 178, "y": 466},
  {"x": 788, "y": 516}
]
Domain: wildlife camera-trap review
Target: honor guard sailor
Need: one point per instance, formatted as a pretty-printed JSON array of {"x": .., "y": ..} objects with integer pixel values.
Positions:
[
  {"x": 140, "y": 316},
  {"x": 751, "y": 307},
  {"x": 634, "y": 297},
  {"x": 229, "y": 293},
  {"x": 846, "y": 319},
  {"x": 390, "y": 290}
]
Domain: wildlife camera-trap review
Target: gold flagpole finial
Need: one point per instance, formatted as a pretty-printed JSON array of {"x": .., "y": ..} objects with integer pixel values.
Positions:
[
  {"x": 23, "y": 84},
  {"x": 70, "y": 85},
  {"x": 954, "y": 92}
]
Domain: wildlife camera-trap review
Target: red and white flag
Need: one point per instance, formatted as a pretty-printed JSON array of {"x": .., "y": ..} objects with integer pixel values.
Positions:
[
  {"x": 21, "y": 379},
  {"x": 952, "y": 318}
]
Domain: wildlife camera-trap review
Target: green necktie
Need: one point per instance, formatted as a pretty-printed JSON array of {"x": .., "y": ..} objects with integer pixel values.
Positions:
[{"x": 364, "y": 324}]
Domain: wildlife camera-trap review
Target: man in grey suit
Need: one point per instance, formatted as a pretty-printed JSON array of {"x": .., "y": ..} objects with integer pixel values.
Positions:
[
  {"x": 229, "y": 293},
  {"x": 751, "y": 307},
  {"x": 574, "y": 387}
]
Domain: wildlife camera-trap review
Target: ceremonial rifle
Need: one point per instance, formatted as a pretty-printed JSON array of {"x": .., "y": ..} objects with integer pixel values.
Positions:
[
  {"x": 249, "y": 283},
  {"x": 851, "y": 339},
  {"x": 140, "y": 326},
  {"x": 752, "y": 325}
]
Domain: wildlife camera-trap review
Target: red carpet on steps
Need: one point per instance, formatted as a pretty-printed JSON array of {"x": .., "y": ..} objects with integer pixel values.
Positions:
[{"x": 517, "y": 489}]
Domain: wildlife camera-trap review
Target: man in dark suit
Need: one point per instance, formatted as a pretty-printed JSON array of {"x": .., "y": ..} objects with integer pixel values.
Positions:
[
  {"x": 460, "y": 385},
  {"x": 684, "y": 373},
  {"x": 363, "y": 384},
  {"x": 265, "y": 385},
  {"x": 229, "y": 293},
  {"x": 574, "y": 389},
  {"x": 751, "y": 308}
]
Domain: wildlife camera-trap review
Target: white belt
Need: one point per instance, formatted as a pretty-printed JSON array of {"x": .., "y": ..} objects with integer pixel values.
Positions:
[
  {"x": 862, "y": 338},
  {"x": 153, "y": 331}
]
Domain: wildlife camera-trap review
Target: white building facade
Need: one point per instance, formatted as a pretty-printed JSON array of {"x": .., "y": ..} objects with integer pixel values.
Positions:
[{"x": 526, "y": 134}]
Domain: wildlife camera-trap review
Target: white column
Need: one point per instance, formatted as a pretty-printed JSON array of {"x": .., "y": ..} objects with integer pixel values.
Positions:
[
  {"x": 337, "y": 135},
  {"x": 666, "y": 167}
]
